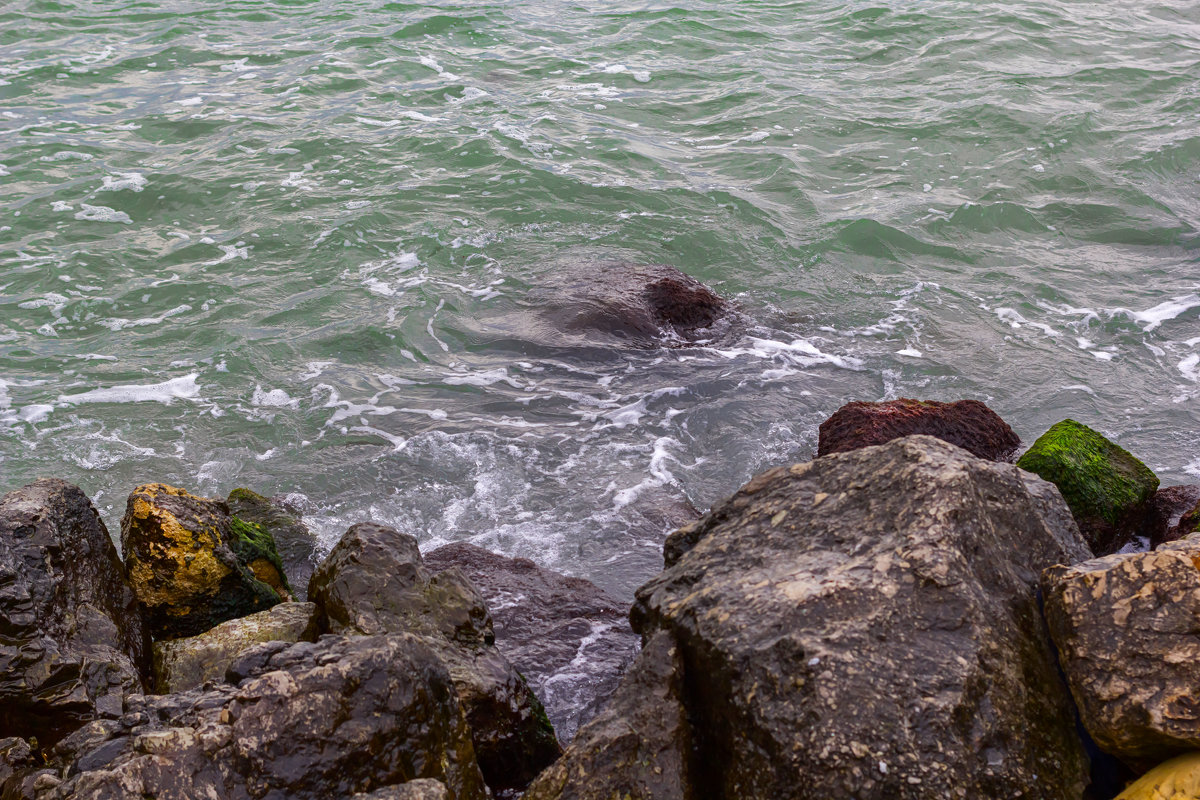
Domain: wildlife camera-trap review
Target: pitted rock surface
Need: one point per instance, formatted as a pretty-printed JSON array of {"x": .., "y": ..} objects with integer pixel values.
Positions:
[
  {"x": 306, "y": 722},
  {"x": 967, "y": 423},
  {"x": 1126, "y": 628},
  {"x": 866, "y": 625},
  {"x": 72, "y": 639}
]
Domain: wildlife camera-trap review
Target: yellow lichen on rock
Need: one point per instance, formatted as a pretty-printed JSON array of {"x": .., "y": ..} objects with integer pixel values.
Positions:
[
  {"x": 174, "y": 562},
  {"x": 1177, "y": 779}
]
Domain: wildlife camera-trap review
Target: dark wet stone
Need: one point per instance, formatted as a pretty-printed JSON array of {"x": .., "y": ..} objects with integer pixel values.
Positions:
[
  {"x": 72, "y": 638},
  {"x": 1167, "y": 510},
  {"x": 310, "y": 722},
  {"x": 570, "y": 639},
  {"x": 374, "y": 581},
  {"x": 969, "y": 424}
]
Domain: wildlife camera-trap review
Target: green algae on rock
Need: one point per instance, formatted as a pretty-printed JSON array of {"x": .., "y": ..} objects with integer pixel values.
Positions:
[
  {"x": 254, "y": 547},
  {"x": 179, "y": 553},
  {"x": 294, "y": 542},
  {"x": 1105, "y": 487}
]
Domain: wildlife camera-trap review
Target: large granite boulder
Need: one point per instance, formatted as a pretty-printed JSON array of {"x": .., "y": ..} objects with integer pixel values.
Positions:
[
  {"x": 374, "y": 581},
  {"x": 295, "y": 544},
  {"x": 640, "y": 745},
  {"x": 192, "y": 564},
  {"x": 1177, "y": 779},
  {"x": 569, "y": 638},
  {"x": 306, "y": 721},
  {"x": 866, "y": 625},
  {"x": 1126, "y": 629},
  {"x": 967, "y": 423},
  {"x": 1107, "y": 489},
  {"x": 182, "y": 664},
  {"x": 72, "y": 638}
]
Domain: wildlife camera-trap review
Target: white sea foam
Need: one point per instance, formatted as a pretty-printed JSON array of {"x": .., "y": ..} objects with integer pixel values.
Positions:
[
  {"x": 275, "y": 398},
  {"x": 59, "y": 205},
  {"x": 120, "y": 323},
  {"x": 185, "y": 388},
  {"x": 133, "y": 181},
  {"x": 102, "y": 214},
  {"x": 67, "y": 155},
  {"x": 438, "y": 68},
  {"x": 1163, "y": 312},
  {"x": 482, "y": 378}
]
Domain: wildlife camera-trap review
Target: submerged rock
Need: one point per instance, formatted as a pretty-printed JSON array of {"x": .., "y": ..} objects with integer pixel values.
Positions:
[
  {"x": 865, "y": 625},
  {"x": 631, "y": 303},
  {"x": 72, "y": 638},
  {"x": 569, "y": 638},
  {"x": 182, "y": 664},
  {"x": 1125, "y": 626},
  {"x": 1105, "y": 486},
  {"x": 967, "y": 423},
  {"x": 295, "y": 544},
  {"x": 1177, "y": 779},
  {"x": 1165, "y": 517},
  {"x": 307, "y": 721},
  {"x": 638, "y": 747},
  {"x": 374, "y": 581},
  {"x": 191, "y": 565}
]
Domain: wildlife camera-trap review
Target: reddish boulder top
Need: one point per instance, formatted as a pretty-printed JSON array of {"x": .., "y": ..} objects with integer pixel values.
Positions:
[{"x": 969, "y": 424}]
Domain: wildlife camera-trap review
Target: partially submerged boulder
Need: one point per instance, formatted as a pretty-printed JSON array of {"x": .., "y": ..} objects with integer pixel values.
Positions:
[
  {"x": 182, "y": 664},
  {"x": 639, "y": 747},
  {"x": 866, "y": 625},
  {"x": 967, "y": 423},
  {"x": 190, "y": 564},
  {"x": 1125, "y": 626},
  {"x": 295, "y": 544},
  {"x": 72, "y": 638},
  {"x": 639, "y": 304},
  {"x": 569, "y": 638},
  {"x": 1106, "y": 488},
  {"x": 374, "y": 581},
  {"x": 306, "y": 721}
]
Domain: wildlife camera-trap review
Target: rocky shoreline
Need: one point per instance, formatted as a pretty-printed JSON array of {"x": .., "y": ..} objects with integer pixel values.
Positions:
[{"x": 908, "y": 615}]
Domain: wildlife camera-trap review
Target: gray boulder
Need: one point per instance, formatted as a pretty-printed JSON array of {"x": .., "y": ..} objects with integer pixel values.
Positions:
[
  {"x": 72, "y": 639},
  {"x": 181, "y": 664},
  {"x": 864, "y": 625},
  {"x": 374, "y": 581},
  {"x": 569, "y": 638},
  {"x": 325, "y": 720},
  {"x": 1126, "y": 629}
]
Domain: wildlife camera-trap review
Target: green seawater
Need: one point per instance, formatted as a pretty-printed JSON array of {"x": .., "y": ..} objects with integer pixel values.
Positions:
[{"x": 298, "y": 245}]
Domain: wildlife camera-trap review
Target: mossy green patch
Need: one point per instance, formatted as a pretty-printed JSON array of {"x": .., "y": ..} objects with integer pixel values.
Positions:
[
  {"x": 1099, "y": 479},
  {"x": 251, "y": 542}
]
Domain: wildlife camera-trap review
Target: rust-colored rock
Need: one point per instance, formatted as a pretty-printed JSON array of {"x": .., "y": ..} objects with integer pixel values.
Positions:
[{"x": 969, "y": 424}]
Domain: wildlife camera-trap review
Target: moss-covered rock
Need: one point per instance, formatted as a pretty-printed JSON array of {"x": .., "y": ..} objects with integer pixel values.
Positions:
[
  {"x": 1106, "y": 488},
  {"x": 255, "y": 548},
  {"x": 179, "y": 553},
  {"x": 1177, "y": 779},
  {"x": 294, "y": 542}
]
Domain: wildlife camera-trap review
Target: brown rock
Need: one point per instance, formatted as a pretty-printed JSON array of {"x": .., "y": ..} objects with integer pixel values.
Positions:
[
  {"x": 969, "y": 424},
  {"x": 1167, "y": 509}
]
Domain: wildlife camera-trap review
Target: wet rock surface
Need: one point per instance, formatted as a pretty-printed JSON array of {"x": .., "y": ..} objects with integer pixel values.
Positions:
[
  {"x": 294, "y": 542},
  {"x": 188, "y": 566},
  {"x": 72, "y": 639},
  {"x": 632, "y": 304},
  {"x": 1107, "y": 489},
  {"x": 866, "y": 625},
  {"x": 374, "y": 581},
  {"x": 181, "y": 664},
  {"x": 324, "y": 720},
  {"x": 1167, "y": 509},
  {"x": 570, "y": 639},
  {"x": 639, "y": 747},
  {"x": 423, "y": 789},
  {"x": 968, "y": 424},
  {"x": 1126, "y": 630}
]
